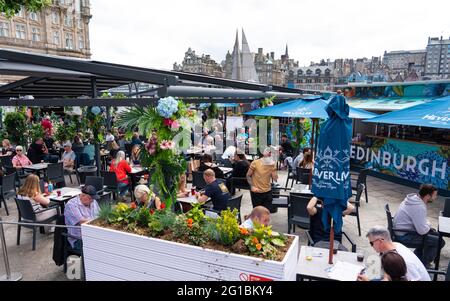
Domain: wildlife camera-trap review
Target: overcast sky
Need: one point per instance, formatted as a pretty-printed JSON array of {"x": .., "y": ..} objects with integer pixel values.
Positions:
[{"x": 157, "y": 33}]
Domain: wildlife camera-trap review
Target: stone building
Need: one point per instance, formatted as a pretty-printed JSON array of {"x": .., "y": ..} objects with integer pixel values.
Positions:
[
  {"x": 60, "y": 29},
  {"x": 203, "y": 64},
  {"x": 438, "y": 58}
]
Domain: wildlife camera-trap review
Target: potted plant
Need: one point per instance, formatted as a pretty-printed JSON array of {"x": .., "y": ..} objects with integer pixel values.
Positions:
[{"x": 131, "y": 243}]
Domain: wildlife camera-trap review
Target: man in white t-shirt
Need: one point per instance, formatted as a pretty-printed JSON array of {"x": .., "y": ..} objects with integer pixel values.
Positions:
[{"x": 380, "y": 240}]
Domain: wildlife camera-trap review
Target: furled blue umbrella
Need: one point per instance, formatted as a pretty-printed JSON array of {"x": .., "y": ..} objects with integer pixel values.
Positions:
[
  {"x": 331, "y": 175},
  {"x": 219, "y": 105},
  {"x": 435, "y": 113}
]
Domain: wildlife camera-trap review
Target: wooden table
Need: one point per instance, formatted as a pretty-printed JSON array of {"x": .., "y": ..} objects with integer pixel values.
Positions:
[{"x": 318, "y": 268}]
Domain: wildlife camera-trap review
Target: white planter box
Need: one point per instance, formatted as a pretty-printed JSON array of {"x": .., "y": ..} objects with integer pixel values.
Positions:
[{"x": 116, "y": 255}]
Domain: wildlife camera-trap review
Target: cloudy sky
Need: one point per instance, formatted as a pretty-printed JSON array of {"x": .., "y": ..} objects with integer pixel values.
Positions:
[{"x": 157, "y": 33}]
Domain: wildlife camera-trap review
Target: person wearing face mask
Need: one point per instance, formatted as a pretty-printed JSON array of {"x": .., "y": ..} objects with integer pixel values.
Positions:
[{"x": 259, "y": 177}]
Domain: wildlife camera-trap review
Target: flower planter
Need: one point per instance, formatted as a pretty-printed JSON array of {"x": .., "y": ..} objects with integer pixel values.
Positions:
[{"x": 116, "y": 255}]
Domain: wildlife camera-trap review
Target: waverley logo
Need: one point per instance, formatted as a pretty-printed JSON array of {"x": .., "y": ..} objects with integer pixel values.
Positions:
[
  {"x": 441, "y": 118},
  {"x": 327, "y": 165},
  {"x": 300, "y": 111}
]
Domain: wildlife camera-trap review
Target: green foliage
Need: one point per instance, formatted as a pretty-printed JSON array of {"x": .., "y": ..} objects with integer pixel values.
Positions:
[
  {"x": 196, "y": 213},
  {"x": 263, "y": 241},
  {"x": 267, "y": 102},
  {"x": 197, "y": 235},
  {"x": 180, "y": 228},
  {"x": 35, "y": 131},
  {"x": 213, "y": 111},
  {"x": 228, "y": 227},
  {"x": 16, "y": 125},
  {"x": 105, "y": 212},
  {"x": 95, "y": 123},
  {"x": 12, "y": 7},
  {"x": 65, "y": 132},
  {"x": 300, "y": 128}
]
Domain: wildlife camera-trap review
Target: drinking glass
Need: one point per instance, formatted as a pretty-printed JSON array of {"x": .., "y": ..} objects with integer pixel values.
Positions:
[{"x": 308, "y": 253}]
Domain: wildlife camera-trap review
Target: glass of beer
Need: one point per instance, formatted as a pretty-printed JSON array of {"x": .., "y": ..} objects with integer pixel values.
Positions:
[{"x": 360, "y": 254}]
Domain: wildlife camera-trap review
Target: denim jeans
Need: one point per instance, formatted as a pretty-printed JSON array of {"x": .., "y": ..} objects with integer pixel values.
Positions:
[
  {"x": 123, "y": 188},
  {"x": 426, "y": 250}
]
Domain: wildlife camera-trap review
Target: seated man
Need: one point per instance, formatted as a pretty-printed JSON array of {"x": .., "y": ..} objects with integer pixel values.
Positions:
[
  {"x": 68, "y": 157},
  {"x": 412, "y": 216},
  {"x": 216, "y": 190},
  {"x": 317, "y": 229},
  {"x": 79, "y": 210}
]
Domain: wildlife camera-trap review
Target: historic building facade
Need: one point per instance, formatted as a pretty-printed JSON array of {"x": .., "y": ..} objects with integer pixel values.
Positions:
[{"x": 203, "y": 64}]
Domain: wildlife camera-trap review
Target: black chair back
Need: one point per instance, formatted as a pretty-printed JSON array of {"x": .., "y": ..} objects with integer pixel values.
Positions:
[
  {"x": 8, "y": 185},
  {"x": 97, "y": 182},
  {"x": 55, "y": 173},
  {"x": 297, "y": 208},
  {"x": 362, "y": 176},
  {"x": 390, "y": 221},
  {"x": 197, "y": 180},
  {"x": 240, "y": 183},
  {"x": 109, "y": 179},
  {"x": 6, "y": 161},
  {"x": 303, "y": 175},
  {"x": 235, "y": 203},
  {"x": 359, "y": 193},
  {"x": 446, "y": 211},
  {"x": 128, "y": 147},
  {"x": 25, "y": 210}
]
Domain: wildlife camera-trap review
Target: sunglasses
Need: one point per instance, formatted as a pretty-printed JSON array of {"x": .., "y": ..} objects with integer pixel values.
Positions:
[
  {"x": 18, "y": 150},
  {"x": 373, "y": 241}
]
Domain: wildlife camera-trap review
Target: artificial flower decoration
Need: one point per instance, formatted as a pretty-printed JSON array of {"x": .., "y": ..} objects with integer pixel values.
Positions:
[
  {"x": 167, "y": 107},
  {"x": 166, "y": 145}
]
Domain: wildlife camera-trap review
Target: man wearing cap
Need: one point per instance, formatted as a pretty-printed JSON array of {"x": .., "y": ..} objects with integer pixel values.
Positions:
[
  {"x": 79, "y": 210},
  {"x": 68, "y": 157},
  {"x": 259, "y": 174}
]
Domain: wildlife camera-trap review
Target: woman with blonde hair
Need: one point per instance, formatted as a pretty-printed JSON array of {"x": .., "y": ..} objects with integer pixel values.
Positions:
[
  {"x": 182, "y": 192},
  {"x": 135, "y": 155},
  {"x": 7, "y": 148},
  {"x": 31, "y": 191},
  {"x": 145, "y": 197},
  {"x": 121, "y": 167}
]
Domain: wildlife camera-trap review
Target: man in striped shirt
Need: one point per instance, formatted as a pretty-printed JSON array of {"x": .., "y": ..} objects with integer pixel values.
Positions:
[{"x": 79, "y": 210}]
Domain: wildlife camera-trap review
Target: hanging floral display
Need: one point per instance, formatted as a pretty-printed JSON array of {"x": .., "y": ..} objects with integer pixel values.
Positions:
[{"x": 167, "y": 126}]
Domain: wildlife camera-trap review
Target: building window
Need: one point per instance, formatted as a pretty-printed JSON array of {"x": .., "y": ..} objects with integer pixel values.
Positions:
[
  {"x": 68, "y": 20},
  {"x": 21, "y": 13},
  {"x": 56, "y": 38},
  {"x": 34, "y": 16},
  {"x": 81, "y": 41},
  {"x": 55, "y": 17},
  {"x": 20, "y": 31},
  {"x": 69, "y": 41},
  {"x": 35, "y": 34},
  {"x": 80, "y": 23},
  {"x": 4, "y": 29}
]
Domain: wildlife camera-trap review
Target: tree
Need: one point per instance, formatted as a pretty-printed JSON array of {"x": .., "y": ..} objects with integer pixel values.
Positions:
[{"x": 12, "y": 7}]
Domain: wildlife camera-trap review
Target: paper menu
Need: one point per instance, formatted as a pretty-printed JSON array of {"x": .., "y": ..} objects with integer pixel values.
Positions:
[
  {"x": 444, "y": 224},
  {"x": 344, "y": 271}
]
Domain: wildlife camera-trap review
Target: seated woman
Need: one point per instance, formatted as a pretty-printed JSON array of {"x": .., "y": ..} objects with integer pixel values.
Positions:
[
  {"x": 7, "y": 148},
  {"x": 260, "y": 215},
  {"x": 20, "y": 159},
  {"x": 135, "y": 155},
  {"x": 146, "y": 198},
  {"x": 240, "y": 169},
  {"x": 182, "y": 191},
  {"x": 206, "y": 163},
  {"x": 307, "y": 161},
  {"x": 31, "y": 191},
  {"x": 121, "y": 167}
]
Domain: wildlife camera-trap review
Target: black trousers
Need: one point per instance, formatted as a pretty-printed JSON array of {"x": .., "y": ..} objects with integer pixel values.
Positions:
[{"x": 262, "y": 199}]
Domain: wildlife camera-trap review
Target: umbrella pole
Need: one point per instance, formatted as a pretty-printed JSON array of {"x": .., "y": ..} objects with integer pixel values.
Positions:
[
  {"x": 312, "y": 150},
  {"x": 330, "y": 254}
]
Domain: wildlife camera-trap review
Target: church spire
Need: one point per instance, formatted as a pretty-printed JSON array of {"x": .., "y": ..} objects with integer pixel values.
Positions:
[{"x": 286, "y": 53}]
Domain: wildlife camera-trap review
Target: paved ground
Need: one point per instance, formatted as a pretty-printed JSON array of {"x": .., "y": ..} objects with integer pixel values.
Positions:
[{"x": 38, "y": 265}]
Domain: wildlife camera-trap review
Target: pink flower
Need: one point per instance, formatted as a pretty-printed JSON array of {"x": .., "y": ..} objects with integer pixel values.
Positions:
[
  {"x": 166, "y": 144},
  {"x": 168, "y": 122},
  {"x": 175, "y": 125}
]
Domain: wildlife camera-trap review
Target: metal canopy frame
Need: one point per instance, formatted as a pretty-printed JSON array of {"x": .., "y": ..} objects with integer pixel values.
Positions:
[{"x": 61, "y": 81}]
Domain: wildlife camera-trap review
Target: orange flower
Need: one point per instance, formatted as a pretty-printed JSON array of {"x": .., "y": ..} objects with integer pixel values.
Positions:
[
  {"x": 133, "y": 205},
  {"x": 255, "y": 240},
  {"x": 189, "y": 221},
  {"x": 244, "y": 231},
  {"x": 163, "y": 206},
  {"x": 189, "y": 225},
  {"x": 258, "y": 247}
]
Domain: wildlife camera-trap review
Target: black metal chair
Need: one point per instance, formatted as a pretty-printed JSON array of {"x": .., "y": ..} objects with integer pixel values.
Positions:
[
  {"x": 362, "y": 179},
  {"x": 297, "y": 213},
  {"x": 303, "y": 175},
  {"x": 62, "y": 249},
  {"x": 290, "y": 176},
  {"x": 20, "y": 174},
  {"x": 110, "y": 181},
  {"x": 55, "y": 174},
  {"x": 279, "y": 200},
  {"x": 446, "y": 211},
  {"x": 392, "y": 230},
  {"x": 357, "y": 203},
  {"x": 239, "y": 183},
  {"x": 128, "y": 147},
  {"x": 84, "y": 171},
  {"x": 27, "y": 214},
  {"x": 6, "y": 161},
  {"x": 8, "y": 189},
  {"x": 97, "y": 182},
  {"x": 197, "y": 180},
  {"x": 235, "y": 203},
  {"x": 436, "y": 273}
]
